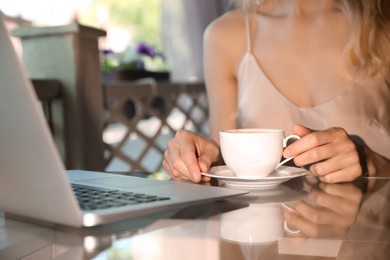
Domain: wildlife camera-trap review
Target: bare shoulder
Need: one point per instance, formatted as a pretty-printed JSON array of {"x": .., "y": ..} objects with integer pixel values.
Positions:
[{"x": 227, "y": 31}]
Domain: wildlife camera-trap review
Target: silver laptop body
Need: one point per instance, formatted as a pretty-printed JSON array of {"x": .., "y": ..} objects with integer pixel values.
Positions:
[{"x": 33, "y": 179}]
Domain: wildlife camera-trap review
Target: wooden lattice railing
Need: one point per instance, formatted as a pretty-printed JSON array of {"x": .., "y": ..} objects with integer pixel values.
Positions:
[{"x": 142, "y": 116}]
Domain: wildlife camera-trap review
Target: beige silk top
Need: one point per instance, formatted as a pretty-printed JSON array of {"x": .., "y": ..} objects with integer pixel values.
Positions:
[{"x": 362, "y": 108}]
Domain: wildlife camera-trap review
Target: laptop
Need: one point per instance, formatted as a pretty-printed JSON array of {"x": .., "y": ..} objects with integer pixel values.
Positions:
[{"x": 34, "y": 183}]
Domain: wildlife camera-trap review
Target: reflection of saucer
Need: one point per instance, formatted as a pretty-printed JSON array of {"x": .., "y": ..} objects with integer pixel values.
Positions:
[
  {"x": 280, "y": 175},
  {"x": 276, "y": 194}
]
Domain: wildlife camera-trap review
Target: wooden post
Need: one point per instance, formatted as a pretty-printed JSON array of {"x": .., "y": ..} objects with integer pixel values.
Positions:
[{"x": 70, "y": 55}]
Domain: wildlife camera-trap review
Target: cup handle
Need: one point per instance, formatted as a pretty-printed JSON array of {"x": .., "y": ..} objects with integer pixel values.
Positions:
[{"x": 285, "y": 140}]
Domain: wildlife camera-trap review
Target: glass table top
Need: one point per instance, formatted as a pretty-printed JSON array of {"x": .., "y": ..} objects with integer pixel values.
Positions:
[{"x": 299, "y": 219}]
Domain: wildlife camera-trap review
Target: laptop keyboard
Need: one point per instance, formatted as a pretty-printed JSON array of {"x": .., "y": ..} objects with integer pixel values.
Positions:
[{"x": 93, "y": 198}]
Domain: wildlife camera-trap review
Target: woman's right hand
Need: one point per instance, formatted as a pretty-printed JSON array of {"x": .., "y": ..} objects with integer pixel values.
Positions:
[{"x": 189, "y": 154}]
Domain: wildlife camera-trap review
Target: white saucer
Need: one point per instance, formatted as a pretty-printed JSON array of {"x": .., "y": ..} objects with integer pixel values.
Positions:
[{"x": 278, "y": 176}]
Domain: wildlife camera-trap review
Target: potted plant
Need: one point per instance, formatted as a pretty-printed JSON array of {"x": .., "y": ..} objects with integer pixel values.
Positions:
[{"x": 141, "y": 61}]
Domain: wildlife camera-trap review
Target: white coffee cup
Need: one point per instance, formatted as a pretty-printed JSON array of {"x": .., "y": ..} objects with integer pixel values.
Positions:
[
  {"x": 255, "y": 224},
  {"x": 253, "y": 153}
]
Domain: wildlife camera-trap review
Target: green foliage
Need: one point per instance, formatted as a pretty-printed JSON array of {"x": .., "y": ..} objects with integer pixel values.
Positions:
[{"x": 141, "y": 15}]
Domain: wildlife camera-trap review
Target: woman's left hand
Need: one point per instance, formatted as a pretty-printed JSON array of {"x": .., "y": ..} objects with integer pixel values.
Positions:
[{"x": 331, "y": 154}]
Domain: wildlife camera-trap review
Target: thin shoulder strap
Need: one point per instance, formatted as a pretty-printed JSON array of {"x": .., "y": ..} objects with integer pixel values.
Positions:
[{"x": 248, "y": 33}]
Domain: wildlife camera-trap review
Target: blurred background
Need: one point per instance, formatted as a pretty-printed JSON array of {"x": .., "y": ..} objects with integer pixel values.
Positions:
[
  {"x": 149, "y": 83},
  {"x": 131, "y": 22}
]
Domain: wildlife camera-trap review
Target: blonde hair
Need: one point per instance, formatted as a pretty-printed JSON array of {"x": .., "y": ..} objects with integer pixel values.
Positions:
[{"x": 368, "y": 50}]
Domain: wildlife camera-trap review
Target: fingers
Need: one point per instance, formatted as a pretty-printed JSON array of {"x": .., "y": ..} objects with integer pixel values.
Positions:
[
  {"x": 314, "y": 140},
  {"x": 208, "y": 156},
  {"x": 331, "y": 153},
  {"x": 180, "y": 157},
  {"x": 344, "y": 166},
  {"x": 308, "y": 228},
  {"x": 334, "y": 197},
  {"x": 188, "y": 155},
  {"x": 338, "y": 211},
  {"x": 344, "y": 175},
  {"x": 301, "y": 130},
  {"x": 188, "y": 163},
  {"x": 177, "y": 171},
  {"x": 346, "y": 190},
  {"x": 329, "y": 209}
]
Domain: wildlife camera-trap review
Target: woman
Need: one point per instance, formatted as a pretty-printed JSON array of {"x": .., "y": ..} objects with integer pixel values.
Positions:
[{"x": 318, "y": 69}]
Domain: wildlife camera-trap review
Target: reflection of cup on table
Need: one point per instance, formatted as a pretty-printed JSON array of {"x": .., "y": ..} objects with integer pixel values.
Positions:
[
  {"x": 255, "y": 224},
  {"x": 253, "y": 152}
]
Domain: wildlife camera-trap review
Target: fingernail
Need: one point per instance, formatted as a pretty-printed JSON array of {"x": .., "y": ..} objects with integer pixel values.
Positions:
[
  {"x": 286, "y": 153},
  {"x": 194, "y": 177}
]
